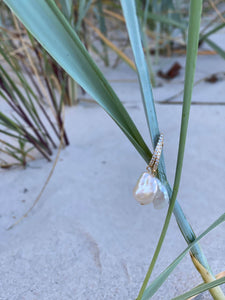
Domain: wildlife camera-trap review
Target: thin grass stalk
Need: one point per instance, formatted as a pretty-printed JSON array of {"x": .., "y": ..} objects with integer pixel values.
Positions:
[
  {"x": 38, "y": 120},
  {"x": 52, "y": 97},
  {"x": 201, "y": 288},
  {"x": 102, "y": 27},
  {"x": 13, "y": 135},
  {"x": 216, "y": 48},
  {"x": 160, "y": 279},
  {"x": 20, "y": 75},
  {"x": 214, "y": 20},
  {"x": 42, "y": 108},
  {"x": 34, "y": 69},
  {"x": 145, "y": 43},
  {"x": 28, "y": 71},
  {"x": 18, "y": 109},
  {"x": 121, "y": 54},
  {"x": 19, "y": 128},
  {"x": 29, "y": 106},
  {"x": 192, "y": 48},
  {"x": 10, "y": 89},
  {"x": 215, "y": 29},
  {"x": 67, "y": 7},
  {"x": 84, "y": 6},
  {"x": 158, "y": 33},
  {"x": 72, "y": 91},
  {"x": 53, "y": 100},
  {"x": 154, "y": 130}
]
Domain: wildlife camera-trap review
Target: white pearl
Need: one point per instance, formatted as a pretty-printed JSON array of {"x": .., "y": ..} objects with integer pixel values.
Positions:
[
  {"x": 161, "y": 198},
  {"x": 146, "y": 188}
]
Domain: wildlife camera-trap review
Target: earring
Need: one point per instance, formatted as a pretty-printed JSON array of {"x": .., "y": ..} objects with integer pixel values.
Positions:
[{"x": 149, "y": 188}]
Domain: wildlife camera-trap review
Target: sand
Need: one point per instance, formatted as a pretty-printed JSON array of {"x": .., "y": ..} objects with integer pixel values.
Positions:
[{"x": 87, "y": 238}]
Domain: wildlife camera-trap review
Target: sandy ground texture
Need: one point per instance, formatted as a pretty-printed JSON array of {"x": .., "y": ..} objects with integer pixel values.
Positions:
[{"x": 87, "y": 238}]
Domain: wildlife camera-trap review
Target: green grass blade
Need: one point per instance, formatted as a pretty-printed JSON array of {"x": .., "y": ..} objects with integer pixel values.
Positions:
[
  {"x": 192, "y": 48},
  {"x": 215, "y": 47},
  {"x": 12, "y": 87},
  {"x": 7, "y": 122},
  {"x": 132, "y": 24},
  {"x": 48, "y": 25},
  {"x": 11, "y": 134},
  {"x": 102, "y": 26},
  {"x": 84, "y": 6},
  {"x": 215, "y": 29},
  {"x": 200, "y": 288},
  {"x": 156, "y": 284},
  {"x": 167, "y": 21},
  {"x": 129, "y": 11},
  {"x": 145, "y": 42},
  {"x": 66, "y": 6}
]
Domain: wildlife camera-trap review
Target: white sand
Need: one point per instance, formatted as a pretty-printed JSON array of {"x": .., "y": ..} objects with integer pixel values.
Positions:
[{"x": 87, "y": 238}]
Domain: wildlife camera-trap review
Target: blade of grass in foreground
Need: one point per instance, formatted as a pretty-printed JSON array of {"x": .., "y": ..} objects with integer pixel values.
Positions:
[
  {"x": 201, "y": 288},
  {"x": 129, "y": 11},
  {"x": 216, "y": 48},
  {"x": 212, "y": 31},
  {"x": 48, "y": 25},
  {"x": 192, "y": 49},
  {"x": 134, "y": 34},
  {"x": 156, "y": 284},
  {"x": 66, "y": 7}
]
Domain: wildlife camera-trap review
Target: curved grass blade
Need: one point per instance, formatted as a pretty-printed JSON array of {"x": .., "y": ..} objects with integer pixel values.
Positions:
[
  {"x": 102, "y": 26},
  {"x": 145, "y": 43},
  {"x": 168, "y": 21},
  {"x": 201, "y": 288},
  {"x": 82, "y": 11},
  {"x": 156, "y": 284},
  {"x": 215, "y": 47},
  {"x": 129, "y": 11},
  {"x": 66, "y": 7},
  {"x": 48, "y": 25},
  {"x": 215, "y": 29},
  {"x": 192, "y": 50}
]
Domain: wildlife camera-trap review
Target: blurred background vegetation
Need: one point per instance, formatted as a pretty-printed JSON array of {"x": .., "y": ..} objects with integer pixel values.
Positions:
[{"x": 34, "y": 88}]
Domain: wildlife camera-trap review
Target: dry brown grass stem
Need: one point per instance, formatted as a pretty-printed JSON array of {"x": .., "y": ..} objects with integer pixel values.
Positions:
[
  {"x": 217, "y": 11},
  {"x": 114, "y": 15},
  {"x": 216, "y": 292},
  {"x": 112, "y": 46}
]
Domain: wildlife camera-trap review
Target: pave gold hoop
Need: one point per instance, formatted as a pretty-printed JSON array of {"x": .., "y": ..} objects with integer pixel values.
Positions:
[
  {"x": 149, "y": 188},
  {"x": 154, "y": 162}
]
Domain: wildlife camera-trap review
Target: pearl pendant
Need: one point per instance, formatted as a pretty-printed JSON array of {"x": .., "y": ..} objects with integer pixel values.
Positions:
[
  {"x": 145, "y": 189},
  {"x": 161, "y": 198},
  {"x": 149, "y": 189}
]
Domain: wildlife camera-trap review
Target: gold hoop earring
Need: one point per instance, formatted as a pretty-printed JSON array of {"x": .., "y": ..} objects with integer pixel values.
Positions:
[{"x": 149, "y": 188}]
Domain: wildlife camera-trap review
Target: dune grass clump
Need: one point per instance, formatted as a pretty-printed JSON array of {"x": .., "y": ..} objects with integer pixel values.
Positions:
[{"x": 34, "y": 117}]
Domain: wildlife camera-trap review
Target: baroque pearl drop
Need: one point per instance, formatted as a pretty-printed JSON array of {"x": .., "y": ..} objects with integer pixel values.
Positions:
[
  {"x": 161, "y": 198},
  {"x": 146, "y": 188}
]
